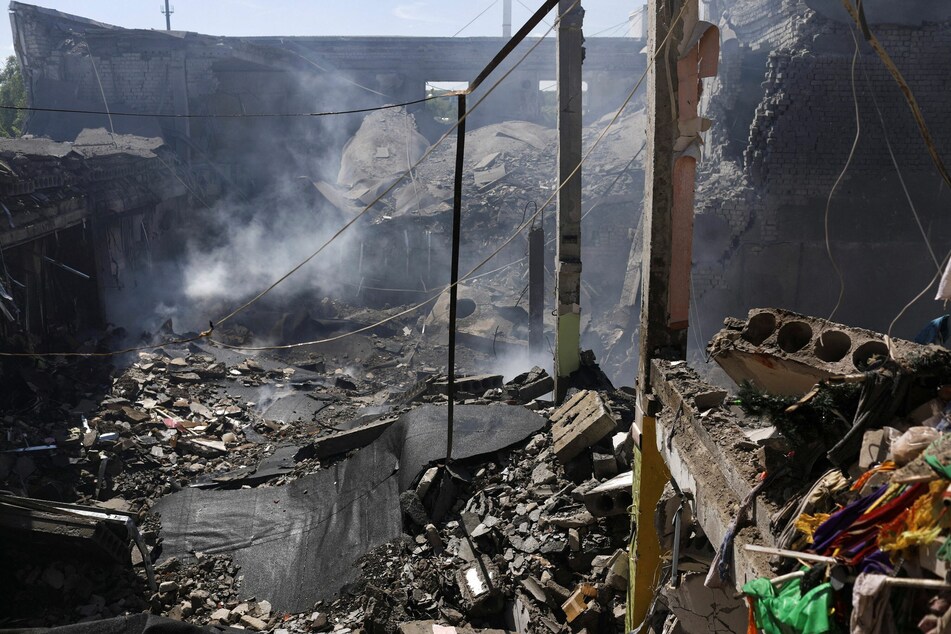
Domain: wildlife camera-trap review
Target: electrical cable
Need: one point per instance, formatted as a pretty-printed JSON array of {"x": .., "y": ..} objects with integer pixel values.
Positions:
[
  {"x": 845, "y": 168},
  {"x": 452, "y": 129},
  {"x": 530, "y": 9},
  {"x": 614, "y": 182},
  {"x": 901, "y": 313},
  {"x": 610, "y": 28},
  {"x": 340, "y": 76},
  {"x": 470, "y": 275},
  {"x": 858, "y": 15},
  {"x": 249, "y": 115},
  {"x": 102, "y": 91},
  {"x": 901, "y": 179},
  {"x": 187, "y": 187},
  {"x": 347, "y": 225},
  {"x": 469, "y": 23},
  {"x": 524, "y": 211},
  {"x": 498, "y": 250}
]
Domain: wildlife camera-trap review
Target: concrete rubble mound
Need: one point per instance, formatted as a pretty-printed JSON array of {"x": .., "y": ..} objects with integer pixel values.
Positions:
[{"x": 216, "y": 489}]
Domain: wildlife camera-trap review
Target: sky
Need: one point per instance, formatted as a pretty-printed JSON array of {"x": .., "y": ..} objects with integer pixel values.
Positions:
[{"x": 331, "y": 17}]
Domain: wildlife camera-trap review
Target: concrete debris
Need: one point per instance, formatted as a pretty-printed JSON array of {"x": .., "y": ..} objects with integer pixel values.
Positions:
[
  {"x": 530, "y": 385},
  {"x": 831, "y": 447},
  {"x": 478, "y": 583},
  {"x": 579, "y": 423},
  {"x": 512, "y": 524},
  {"x": 867, "y": 420},
  {"x": 613, "y": 497}
]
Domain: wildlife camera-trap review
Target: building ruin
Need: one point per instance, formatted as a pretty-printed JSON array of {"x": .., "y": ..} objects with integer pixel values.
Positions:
[{"x": 155, "y": 193}]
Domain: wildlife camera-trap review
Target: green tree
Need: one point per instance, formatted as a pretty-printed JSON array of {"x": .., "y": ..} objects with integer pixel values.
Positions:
[{"x": 12, "y": 93}]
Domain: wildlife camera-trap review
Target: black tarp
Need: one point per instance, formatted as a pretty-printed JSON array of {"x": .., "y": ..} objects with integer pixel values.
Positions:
[{"x": 297, "y": 543}]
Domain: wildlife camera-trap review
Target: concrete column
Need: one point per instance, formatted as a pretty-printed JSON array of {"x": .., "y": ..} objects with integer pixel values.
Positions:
[
  {"x": 674, "y": 66},
  {"x": 536, "y": 291},
  {"x": 507, "y": 19},
  {"x": 568, "y": 251},
  {"x": 657, "y": 338}
]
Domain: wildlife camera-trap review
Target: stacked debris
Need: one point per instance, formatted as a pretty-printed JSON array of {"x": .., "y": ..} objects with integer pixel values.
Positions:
[{"x": 821, "y": 484}]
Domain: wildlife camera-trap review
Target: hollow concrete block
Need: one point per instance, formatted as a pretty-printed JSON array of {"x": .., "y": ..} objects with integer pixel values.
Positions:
[
  {"x": 613, "y": 497},
  {"x": 786, "y": 353}
]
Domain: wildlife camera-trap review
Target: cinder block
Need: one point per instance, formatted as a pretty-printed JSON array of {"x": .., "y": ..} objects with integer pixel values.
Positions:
[
  {"x": 786, "y": 353},
  {"x": 613, "y": 497},
  {"x": 580, "y": 423},
  {"x": 477, "y": 585}
]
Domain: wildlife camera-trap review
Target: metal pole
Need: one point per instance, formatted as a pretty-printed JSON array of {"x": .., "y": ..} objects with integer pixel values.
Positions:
[
  {"x": 568, "y": 255},
  {"x": 536, "y": 290},
  {"x": 168, "y": 17},
  {"x": 507, "y": 19},
  {"x": 454, "y": 273}
]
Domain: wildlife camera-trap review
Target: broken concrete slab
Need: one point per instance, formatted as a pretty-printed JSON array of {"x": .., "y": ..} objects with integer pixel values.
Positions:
[
  {"x": 710, "y": 474},
  {"x": 875, "y": 445},
  {"x": 486, "y": 177},
  {"x": 477, "y": 384},
  {"x": 530, "y": 385},
  {"x": 340, "y": 443},
  {"x": 580, "y": 423},
  {"x": 478, "y": 583},
  {"x": 701, "y": 609},
  {"x": 613, "y": 497},
  {"x": 785, "y": 353},
  {"x": 674, "y": 384},
  {"x": 482, "y": 323}
]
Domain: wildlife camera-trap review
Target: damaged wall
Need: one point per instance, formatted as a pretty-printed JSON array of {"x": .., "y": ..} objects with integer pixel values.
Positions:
[
  {"x": 82, "y": 221},
  {"x": 75, "y": 63},
  {"x": 787, "y": 82}
]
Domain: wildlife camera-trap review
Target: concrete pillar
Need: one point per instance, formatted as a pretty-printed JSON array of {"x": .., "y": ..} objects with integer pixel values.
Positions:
[
  {"x": 656, "y": 339},
  {"x": 536, "y": 291},
  {"x": 682, "y": 52},
  {"x": 507, "y": 19},
  {"x": 568, "y": 250}
]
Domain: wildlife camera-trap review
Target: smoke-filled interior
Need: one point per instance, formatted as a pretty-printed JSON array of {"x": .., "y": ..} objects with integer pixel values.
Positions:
[{"x": 252, "y": 237}]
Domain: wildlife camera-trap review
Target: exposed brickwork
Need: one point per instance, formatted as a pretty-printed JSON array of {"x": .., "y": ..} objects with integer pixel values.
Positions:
[{"x": 799, "y": 138}]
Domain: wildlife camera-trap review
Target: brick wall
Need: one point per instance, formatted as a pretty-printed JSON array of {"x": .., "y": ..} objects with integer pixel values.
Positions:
[{"x": 800, "y": 135}]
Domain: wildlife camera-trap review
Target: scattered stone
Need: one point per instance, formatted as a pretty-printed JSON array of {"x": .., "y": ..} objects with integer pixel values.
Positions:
[
  {"x": 168, "y": 586},
  {"x": 221, "y": 615},
  {"x": 253, "y": 623}
]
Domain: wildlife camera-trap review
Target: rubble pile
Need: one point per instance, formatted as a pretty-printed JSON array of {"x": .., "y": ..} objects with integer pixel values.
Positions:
[
  {"x": 509, "y": 174},
  {"x": 827, "y": 504},
  {"x": 518, "y": 539},
  {"x": 519, "y": 550}
]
